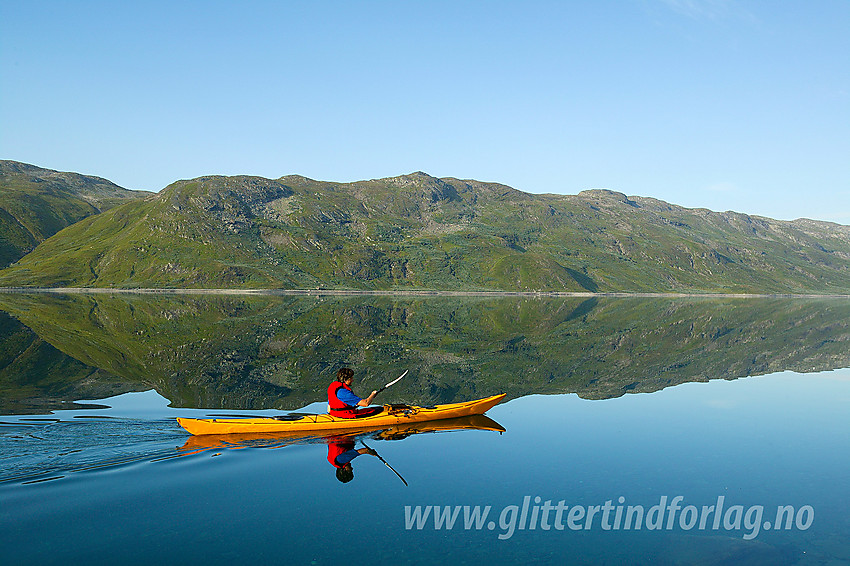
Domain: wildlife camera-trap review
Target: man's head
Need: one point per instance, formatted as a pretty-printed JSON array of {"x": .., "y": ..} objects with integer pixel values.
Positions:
[
  {"x": 344, "y": 375},
  {"x": 345, "y": 474}
]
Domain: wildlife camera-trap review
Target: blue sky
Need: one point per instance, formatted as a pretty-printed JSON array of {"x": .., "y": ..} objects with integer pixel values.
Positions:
[{"x": 705, "y": 103}]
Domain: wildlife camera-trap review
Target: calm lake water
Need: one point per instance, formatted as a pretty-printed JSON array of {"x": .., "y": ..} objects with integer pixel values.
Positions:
[{"x": 612, "y": 431}]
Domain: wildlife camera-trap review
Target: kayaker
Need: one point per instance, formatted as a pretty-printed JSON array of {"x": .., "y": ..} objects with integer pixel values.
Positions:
[
  {"x": 340, "y": 454},
  {"x": 343, "y": 403}
]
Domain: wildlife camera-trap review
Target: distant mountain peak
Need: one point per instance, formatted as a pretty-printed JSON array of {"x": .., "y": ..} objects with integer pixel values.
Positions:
[
  {"x": 9, "y": 166},
  {"x": 296, "y": 180},
  {"x": 417, "y": 178},
  {"x": 35, "y": 203},
  {"x": 608, "y": 195},
  {"x": 602, "y": 193}
]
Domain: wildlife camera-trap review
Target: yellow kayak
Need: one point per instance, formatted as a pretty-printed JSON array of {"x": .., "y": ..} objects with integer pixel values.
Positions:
[
  {"x": 389, "y": 415},
  {"x": 280, "y": 439}
]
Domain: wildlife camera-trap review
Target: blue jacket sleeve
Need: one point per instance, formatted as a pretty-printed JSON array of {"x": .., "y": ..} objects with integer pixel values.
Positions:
[
  {"x": 348, "y": 397},
  {"x": 347, "y": 457}
]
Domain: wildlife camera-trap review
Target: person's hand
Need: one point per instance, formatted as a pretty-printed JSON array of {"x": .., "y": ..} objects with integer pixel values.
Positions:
[{"x": 371, "y": 452}]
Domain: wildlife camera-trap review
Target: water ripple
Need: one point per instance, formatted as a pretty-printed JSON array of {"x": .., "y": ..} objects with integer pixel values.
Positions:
[{"x": 38, "y": 450}]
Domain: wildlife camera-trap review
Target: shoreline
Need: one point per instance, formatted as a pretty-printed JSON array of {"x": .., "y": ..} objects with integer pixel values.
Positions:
[{"x": 408, "y": 293}]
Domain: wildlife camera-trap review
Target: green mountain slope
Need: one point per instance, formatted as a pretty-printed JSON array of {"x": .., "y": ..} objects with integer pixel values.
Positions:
[
  {"x": 36, "y": 203},
  {"x": 417, "y": 231}
]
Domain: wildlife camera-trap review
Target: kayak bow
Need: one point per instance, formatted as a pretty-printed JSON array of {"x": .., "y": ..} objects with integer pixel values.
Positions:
[{"x": 389, "y": 415}]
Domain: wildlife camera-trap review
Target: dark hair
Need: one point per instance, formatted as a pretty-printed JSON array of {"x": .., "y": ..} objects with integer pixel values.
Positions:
[
  {"x": 345, "y": 474},
  {"x": 344, "y": 373}
]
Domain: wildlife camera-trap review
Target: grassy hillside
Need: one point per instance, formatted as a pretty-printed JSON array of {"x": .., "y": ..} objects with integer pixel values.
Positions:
[
  {"x": 418, "y": 231},
  {"x": 36, "y": 203}
]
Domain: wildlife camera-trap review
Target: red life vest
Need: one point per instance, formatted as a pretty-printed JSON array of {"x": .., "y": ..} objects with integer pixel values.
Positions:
[
  {"x": 338, "y": 408},
  {"x": 337, "y": 447}
]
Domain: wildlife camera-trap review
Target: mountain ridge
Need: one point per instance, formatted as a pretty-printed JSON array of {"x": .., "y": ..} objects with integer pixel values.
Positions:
[
  {"x": 36, "y": 203},
  {"x": 420, "y": 231}
]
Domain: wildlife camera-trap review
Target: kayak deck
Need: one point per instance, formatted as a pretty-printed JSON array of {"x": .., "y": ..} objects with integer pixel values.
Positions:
[{"x": 390, "y": 415}]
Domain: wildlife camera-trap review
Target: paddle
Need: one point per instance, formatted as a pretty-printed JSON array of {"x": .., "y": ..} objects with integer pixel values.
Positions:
[
  {"x": 384, "y": 461},
  {"x": 396, "y": 380}
]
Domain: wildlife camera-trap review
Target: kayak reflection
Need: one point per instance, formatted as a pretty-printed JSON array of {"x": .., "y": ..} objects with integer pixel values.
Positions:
[{"x": 342, "y": 446}]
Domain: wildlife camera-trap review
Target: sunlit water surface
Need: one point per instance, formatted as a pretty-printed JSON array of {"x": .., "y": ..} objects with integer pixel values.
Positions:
[{"x": 121, "y": 486}]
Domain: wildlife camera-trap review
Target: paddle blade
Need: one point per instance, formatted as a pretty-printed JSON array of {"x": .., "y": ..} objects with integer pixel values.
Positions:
[{"x": 396, "y": 380}]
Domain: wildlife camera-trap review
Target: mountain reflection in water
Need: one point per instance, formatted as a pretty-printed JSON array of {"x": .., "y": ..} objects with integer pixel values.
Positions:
[{"x": 262, "y": 352}]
